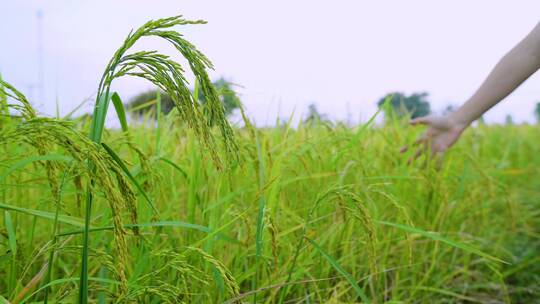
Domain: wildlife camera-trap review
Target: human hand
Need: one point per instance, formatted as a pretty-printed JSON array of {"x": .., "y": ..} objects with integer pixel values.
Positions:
[{"x": 442, "y": 133}]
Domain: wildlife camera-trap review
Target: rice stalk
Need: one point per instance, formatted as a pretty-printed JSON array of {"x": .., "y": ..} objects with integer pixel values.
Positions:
[{"x": 168, "y": 76}]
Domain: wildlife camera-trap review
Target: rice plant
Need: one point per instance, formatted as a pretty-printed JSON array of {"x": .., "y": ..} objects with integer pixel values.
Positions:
[
  {"x": 167, "y": 75},
  {"x": 188, "y": 209}
]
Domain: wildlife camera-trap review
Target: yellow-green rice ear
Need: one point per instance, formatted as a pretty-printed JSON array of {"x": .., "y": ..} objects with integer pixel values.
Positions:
[{"x": 169, "y": 76}]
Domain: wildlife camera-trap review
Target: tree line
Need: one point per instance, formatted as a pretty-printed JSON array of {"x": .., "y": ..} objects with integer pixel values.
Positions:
[
  {"x": 400, "y": 104},
  {"x": 144, "y": 103}
]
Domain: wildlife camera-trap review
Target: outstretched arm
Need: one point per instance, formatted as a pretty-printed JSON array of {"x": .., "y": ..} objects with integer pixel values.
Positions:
[{"x": 511, "y": 71}]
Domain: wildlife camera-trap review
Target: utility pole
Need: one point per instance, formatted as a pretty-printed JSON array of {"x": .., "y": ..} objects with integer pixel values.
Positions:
[{"x": 41, "y": 85}]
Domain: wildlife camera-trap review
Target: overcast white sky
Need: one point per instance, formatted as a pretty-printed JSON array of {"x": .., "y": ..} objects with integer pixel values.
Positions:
[{"x": 341, "y": 55}]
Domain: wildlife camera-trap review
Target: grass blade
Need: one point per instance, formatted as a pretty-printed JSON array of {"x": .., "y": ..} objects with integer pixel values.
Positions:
[
  {"x": 131, "y": 178},
  {"x": 23, "y": 162},
  {"x": 120, "y": 112},
  {"x": 83, "y": 279},
  {"x": 98, "y": 118},
  {"x": 80, "y": 105},
  {"x": 52, "y": 253},
  {"x": 4, "y": 110},
  {"x": 68, "y": 280},
  {"x": 342, "y": 271},
  {"x": 12, "y": 239},
  {"x": 178, "y": 224},
  {"x": 170, "y": 162},
  {"x": 66, "y": 219},
  {"x": 259, "y": 242},
  {"x": 437, "y": 237},
  {"x": 142, "y": 106},
  {"x": 158, "y": 122},
  {"x": 96, "y": 131},
  {"x": 12, "y": 242}
]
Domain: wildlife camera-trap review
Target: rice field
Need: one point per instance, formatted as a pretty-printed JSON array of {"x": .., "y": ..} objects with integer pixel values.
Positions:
[{"x": 193, "y": 210}]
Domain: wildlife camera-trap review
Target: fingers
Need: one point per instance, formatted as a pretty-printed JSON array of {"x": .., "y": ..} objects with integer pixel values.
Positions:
[
  {"x": 431, "y": 150},
  {"x": 438, "y": 157},
  {"x": 421, "y": 120},
  {"x": 438, "y": 122},
  {"x": 417, "y": 155},
  {"x": 421, "y": 140},
  {"x": 429, "y": 143}
]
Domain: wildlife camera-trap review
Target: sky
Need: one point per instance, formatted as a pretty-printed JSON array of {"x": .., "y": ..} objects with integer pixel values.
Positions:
[{"x": 341, "y": 55}]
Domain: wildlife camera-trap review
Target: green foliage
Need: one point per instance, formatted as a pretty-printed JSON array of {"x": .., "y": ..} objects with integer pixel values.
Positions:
[
  {"x": 415, "y": 105},
  {"x": 381, "y": 228},
  {"x": 120, "y": 111},
  {"x": 537, "y": 112},
  {"x": 145, "y": 102}
]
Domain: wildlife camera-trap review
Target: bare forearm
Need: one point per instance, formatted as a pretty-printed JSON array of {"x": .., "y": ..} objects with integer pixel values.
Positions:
[{"x": 513, "y": 69}]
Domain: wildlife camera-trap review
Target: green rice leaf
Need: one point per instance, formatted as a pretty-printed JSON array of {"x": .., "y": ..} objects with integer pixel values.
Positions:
[
  {"x": 437, "y": 237},
  {"x": 98, "y": 119},
  {"x": 170, "y": 162},
  {"x": 142, "y": 106},
  {"x": 119, "y": 107},
  {"x": 3, "y": 99},
  {"x": 178, "y": 224},
  {"x": 23, "y": 162},
  {"x": 68, "y": 280},
  {"x": 172, "y": 224},
  {"x": 66, "y": 219},
  {"x": 342, "y": 271},
  {"x": 12, "y": 239},
  {"x": 158, "y": 121},
  {"x": 119, "y": 161}
]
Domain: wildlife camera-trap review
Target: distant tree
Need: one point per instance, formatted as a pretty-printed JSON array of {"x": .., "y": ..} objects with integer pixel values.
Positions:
[
  {"x": 415, "y": 104},
  {"x": 509, "y": 120},
  {"x": 537, "y": 112},
  {"x": 449, "y": 109},
  {"x": 136, "y": 104},
  {"x": 481, "y": 120},
  {"x": 314, "y": 114},
  {"x": 227, "y": 95}
]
